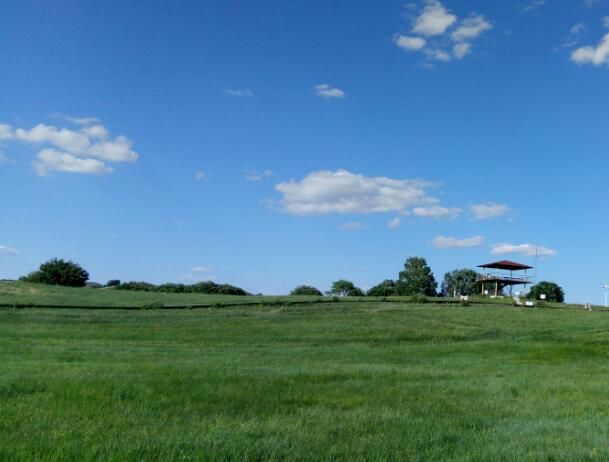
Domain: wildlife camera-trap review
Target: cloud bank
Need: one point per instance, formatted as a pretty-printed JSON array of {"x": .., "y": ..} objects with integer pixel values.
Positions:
[{"x": 87, "y": 149}]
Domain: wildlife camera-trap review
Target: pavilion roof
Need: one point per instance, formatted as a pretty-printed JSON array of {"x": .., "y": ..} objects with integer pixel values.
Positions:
[{"x": 506, "y": 265}]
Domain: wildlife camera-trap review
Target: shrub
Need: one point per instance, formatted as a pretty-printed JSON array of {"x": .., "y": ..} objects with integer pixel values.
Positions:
[
  {"x": 171, "y": 288},
  {"x": 346, "y": 289},
  {"x": 306, "y": 290},
  {"x": 59, "y": 272},
  {"x": 136, "y": 285},
  {"x": 386, "y": 288},
  {"x": 418, "y": 298},
  {"x": 113, "y": 283},
  {"x": 552, "y": 291}
]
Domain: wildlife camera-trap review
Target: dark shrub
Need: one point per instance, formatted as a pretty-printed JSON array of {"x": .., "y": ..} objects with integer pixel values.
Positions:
[
  {"x": 418, "y": 298},
  {"x": 387, "y": 288},
  {"x": 59, "y": 272},
  {"x": 113, "y": 283},
  {"x": 551, "y": 290},
  {"x": 136, "y": 285},
  {"x": 306, "y": 290}
]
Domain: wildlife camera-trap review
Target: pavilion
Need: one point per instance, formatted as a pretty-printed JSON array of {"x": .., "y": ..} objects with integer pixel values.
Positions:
[{"x": 501, "y": 275}]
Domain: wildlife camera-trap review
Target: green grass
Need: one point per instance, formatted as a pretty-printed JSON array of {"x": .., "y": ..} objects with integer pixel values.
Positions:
[
  {"x": 348, "y": 381},
  {"x": 39, "y": 294}
]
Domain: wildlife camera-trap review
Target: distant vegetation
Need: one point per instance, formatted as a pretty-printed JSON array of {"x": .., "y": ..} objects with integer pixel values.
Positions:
[
  {"x": 306, "y": 290},
  {"x": 387, "y": 288},
  {"x": 60, "y": 273},
  {"x": 207, "y": 287},
  {"x": 460, "y": 282},
  {"x": 346, "y": 288},
  {"x": 551, "y": 290},
  {"x": 416, "y": 279}
]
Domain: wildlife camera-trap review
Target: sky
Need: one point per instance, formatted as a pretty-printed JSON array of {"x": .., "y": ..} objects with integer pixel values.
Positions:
[{"x": 278, "y": 143}]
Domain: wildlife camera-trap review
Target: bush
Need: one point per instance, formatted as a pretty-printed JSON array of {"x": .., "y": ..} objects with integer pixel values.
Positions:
[
  {"x": 386, "y": 288},
  {"x": 306, "y": 290},
  {"x": 346, "y": 289},
  {"x": 59, "y": 272},
  {"x": 552, "y": 291},
  {"x": 206, "y": 287},
  {"x": 135, "y": 285},
  {"x": 171, "y": 288},
  {"x": 113, "y": 283},
  {"x": 418, "y": 298}
]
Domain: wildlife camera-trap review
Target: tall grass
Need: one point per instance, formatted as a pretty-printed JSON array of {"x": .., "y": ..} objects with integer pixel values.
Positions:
[{"x": 364, "y": 381}]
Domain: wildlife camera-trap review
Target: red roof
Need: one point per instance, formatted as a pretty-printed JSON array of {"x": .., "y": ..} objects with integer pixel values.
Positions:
[{"x": 506, "y": 265}]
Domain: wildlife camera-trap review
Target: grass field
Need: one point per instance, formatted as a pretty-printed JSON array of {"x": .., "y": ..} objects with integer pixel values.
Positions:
[{"x": 347, "y": 381}]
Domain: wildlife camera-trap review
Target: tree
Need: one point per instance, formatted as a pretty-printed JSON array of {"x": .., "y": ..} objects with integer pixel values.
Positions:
[
  {"x": 346, "y": 289},
  {"x": 386, "y": 288},
  {"x": 552, "y": 291},
  {"x": 460, "y": 282},
  {"x": 416, "y": 278},
  {"x": 59, "y": 272},
  {"x": 306, "y": 290},
  {"x": 113, "y": 283}
]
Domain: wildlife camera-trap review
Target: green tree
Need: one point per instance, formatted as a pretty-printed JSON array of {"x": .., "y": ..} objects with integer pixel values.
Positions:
[
  {"x": 416, "y": 278},
  {"x": 386, "y": 288},
  {"x": 346, "y": 289},
  {"x": 552, "y": 291},
  {"x": 306, "y": 290},
  {"x": 460, "y": 282},
  {"x": 59, "y": 272},
  {"x": 113, "y": 283}
]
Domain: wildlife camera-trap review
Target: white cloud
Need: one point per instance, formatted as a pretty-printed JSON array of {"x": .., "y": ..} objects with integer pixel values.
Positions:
[
  {"x": 201, "y": 269},
  {"x": 352, "y": 226},
  {"x": 526, "y": 250},
  {"x": 577, "y": 29},
  {"x": 51, "y": 160},
  {"x": 79, "y": 120},
  {"x": 239, "y": 93},
  {"x": 394, "y": 223},
  {"x": 436, "y": 23},
  {"x": 606, "y": 21},
  {"x": 5, "y": 250},
  {"x": 471, "y": 28},
  {"x": 326, "y": 192},
  {"x": 410, "y": 43},
  {"x": 437, "y": 54},
  {"x": 534, "y": 5},
  {"x": 434, "y": 20},
  {"x": 436, "y": 212},
  {"x": 326, "y": 91},
  {"x": 489, "y": 210},
  {"x": 73, "y": 150},
  {"x": 200, "y": 175},
  {"x": 257, "y": 175},
  {"x": 596, "y": 56},
  {"x": 6, "y": 132},
  {"x": 460, "y": 50},
  {"x": 443, "y": 242}
]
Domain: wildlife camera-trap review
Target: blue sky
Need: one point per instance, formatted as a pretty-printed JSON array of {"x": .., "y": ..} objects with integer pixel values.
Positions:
[{"x": 270, "y": 144}]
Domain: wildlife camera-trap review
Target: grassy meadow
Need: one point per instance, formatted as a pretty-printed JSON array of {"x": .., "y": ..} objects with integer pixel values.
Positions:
[{"x": 327, "y": 381}]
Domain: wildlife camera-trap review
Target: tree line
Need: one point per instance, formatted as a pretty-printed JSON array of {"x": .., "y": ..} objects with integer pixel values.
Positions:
[{"x": 416, "y": 278}]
